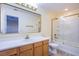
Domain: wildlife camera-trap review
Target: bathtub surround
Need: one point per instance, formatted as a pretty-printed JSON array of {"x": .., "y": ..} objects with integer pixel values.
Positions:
[{"x": 68, "y": 39}]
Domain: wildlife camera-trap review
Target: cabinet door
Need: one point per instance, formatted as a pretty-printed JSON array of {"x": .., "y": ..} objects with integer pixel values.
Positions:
[
  {"x": 45, "y": 48},
  {"x": 38, "y": 49}
]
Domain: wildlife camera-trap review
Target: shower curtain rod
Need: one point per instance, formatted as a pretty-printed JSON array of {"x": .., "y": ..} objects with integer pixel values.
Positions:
[
  {"x": 72, "y": 15},
  {"x": 54, "y": 18}
]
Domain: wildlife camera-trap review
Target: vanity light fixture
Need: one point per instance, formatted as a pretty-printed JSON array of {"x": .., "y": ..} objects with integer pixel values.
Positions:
[{"x": 27, "y": 6}]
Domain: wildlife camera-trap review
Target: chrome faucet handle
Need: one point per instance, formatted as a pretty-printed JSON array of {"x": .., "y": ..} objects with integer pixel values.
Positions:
[{"x": 27, "y": 37}]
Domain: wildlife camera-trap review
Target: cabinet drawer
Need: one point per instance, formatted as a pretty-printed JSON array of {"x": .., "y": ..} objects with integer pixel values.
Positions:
[
  {"x": 38, "y": 44},
  {"x": 9, "y": 52},
  {"x": 46, "y": 42},
  {"x": 26, "y": 47},
  {"x": 27, "y": 53}
]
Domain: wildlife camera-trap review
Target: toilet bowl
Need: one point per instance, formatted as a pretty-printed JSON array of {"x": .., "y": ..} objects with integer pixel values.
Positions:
[{"x": 53, "y": 49}]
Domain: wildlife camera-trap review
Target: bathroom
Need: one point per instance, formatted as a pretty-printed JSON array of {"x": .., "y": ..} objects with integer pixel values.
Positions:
[{"x": 46, "y": 30}]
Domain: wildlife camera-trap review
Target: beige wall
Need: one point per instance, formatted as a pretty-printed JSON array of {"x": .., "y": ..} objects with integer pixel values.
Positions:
[
  {"x": 46, "y": 23},
  {"x": 54, "y": 23}
]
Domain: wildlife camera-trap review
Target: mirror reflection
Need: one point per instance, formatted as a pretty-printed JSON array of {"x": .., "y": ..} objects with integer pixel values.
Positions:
[{"x": 12, "y": 24}]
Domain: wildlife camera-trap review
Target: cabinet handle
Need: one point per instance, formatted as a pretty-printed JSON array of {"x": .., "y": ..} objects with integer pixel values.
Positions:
[{"x": 38, "y": 46}]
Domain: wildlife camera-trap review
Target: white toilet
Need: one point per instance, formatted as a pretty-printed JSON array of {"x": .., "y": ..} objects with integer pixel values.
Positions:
[{"x": 53, "y": 49}]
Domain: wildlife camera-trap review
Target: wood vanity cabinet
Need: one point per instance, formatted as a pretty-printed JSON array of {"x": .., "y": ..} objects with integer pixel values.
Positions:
[
  {"x": 10, "y": 52},
  {"x": 35, "y": 49},
  {"x": 26, "y": 50},
  {"x": 45, "y": 48},
  {"x": 38, "y": 50}
]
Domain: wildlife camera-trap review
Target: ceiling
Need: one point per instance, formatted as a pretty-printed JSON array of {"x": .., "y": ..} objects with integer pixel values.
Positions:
[{"x": 58, "y": 8}]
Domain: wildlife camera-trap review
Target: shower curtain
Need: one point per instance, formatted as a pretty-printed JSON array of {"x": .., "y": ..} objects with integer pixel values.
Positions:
[{"x": 69, "y": 30}]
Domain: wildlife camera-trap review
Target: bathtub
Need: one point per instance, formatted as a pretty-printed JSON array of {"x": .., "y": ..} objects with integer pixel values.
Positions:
[{"x": 63, "y": 50}]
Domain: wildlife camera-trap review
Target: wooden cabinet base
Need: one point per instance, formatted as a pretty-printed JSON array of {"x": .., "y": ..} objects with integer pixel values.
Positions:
[{"x": 35, "y": 49}]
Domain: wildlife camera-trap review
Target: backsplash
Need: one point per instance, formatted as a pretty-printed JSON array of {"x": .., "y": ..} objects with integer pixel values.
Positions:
[{"x": 16, "y": 36}]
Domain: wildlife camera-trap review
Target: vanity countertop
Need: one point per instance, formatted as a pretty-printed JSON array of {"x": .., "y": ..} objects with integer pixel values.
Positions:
[{"x": 8, "y": 44}]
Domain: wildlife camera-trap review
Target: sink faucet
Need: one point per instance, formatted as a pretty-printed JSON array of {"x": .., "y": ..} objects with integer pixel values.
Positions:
[{"x": 27, "y": 37}]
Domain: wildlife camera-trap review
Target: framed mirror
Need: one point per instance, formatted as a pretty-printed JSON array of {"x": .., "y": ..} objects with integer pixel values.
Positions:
[{"x": 18, "y": 20}]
